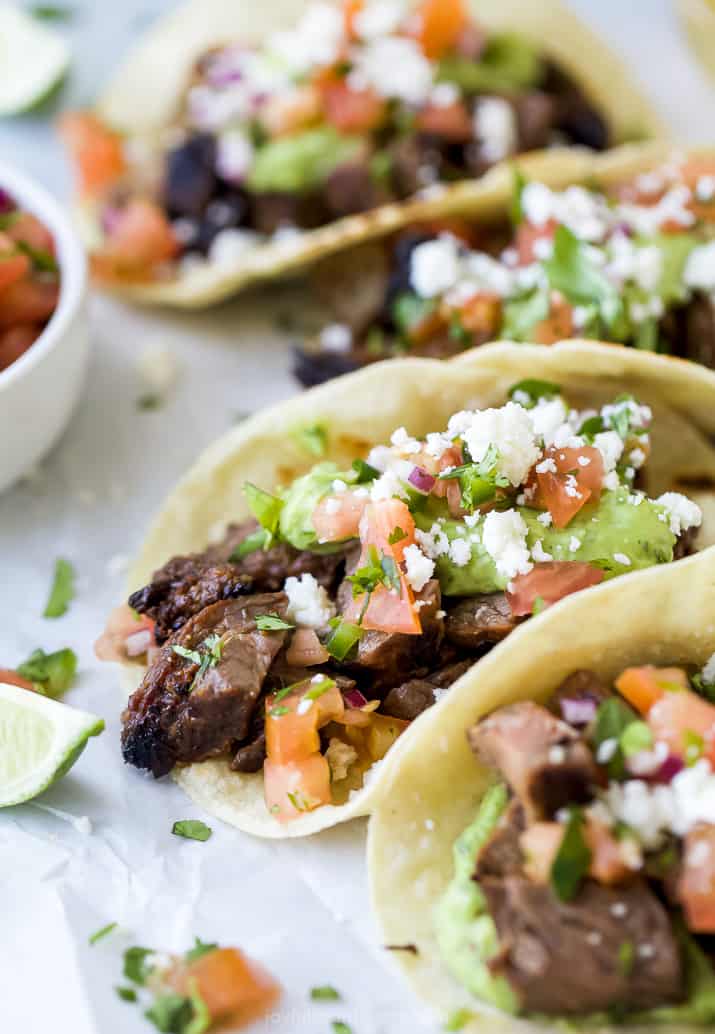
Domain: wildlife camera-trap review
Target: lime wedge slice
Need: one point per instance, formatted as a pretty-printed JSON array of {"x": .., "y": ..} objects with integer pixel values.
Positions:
[
  {"x": 40, "y": 740},
  {"x": 33, "y": 59}
]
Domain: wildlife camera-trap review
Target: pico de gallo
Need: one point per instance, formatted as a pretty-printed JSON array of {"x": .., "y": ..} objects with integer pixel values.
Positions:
[
  {"x": 303, "y": 644},
  {"x": 208, "y": 988},
  {"x": 633, "y": 264},
  {"x": 29, "y": 279},
  {"x": 586, "y": 884},
  {"x": 359, "y": 104}
]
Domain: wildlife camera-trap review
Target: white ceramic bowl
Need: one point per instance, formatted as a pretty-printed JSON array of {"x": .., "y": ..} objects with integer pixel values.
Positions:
[{"x": 40, "y": 389}]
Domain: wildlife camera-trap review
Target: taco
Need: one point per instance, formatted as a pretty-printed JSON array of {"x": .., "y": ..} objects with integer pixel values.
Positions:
[
  {"x": 332, "y": 566},
  {"x": 240, "y": 143},
  {"x": 544, "y": 847},
  {"x": 619, "y": 248}
]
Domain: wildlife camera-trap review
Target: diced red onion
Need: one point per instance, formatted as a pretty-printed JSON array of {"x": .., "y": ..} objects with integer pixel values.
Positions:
[
  {"x": 421, "y": 480},
  {"x": 354, "y": 698},
  {"x": 578, "y": 710},
  {"x": 669, "y": 769},
  {"x": 110, "y": 219},
  {"x": 138, "y": 643}
]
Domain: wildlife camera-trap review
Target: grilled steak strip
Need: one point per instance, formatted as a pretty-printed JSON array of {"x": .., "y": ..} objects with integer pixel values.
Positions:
[
  {"x": 180, "y": 714},
  {"x": 477, "y": 620},
  {"x": 568, "y": 957},
  {"x": 543, "y": 759},
  {"x": 410, "y": 699},
  {"x": 501, "y": 855}
]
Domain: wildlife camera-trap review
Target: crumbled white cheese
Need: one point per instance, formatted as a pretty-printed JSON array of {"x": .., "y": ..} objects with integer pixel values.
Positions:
[
  {"x": 606, "y": 750},
  {"x": 653, "y": 810},
  {"x": 574, "y": 544},
  {"x": 545, "y": 518},
  {"x": 636, "y": 458},
  {"x": 648, "y": 219},
  {"x": 547, "y": 466},
  {"x": 230, "y": 245},
  {"x": 495, "y": 128},
  {"x": 699, "y": 272},
  {"x": 308, "y": 602},
  {"x": 403, "y": 442},
  {"x": 460, "y": 552},
  {"x": 510, "y": 430},
  {"x": 682, "y": 513},
  {"x": 444, "y": 95},
  {"x": 610, "y": 445},
  {"x": 433, "y": 542},
  {"x": 419, "y": 568},
  {"x": 395, "y": 67},
  {"x": 234, "y": 155},
  {"x": 336, "y": 337},
  {"x": 539, "y": 554},
  {"x": 621, "y": 558},
  {"x": 586, "y": 214},
  {"x": 504, "y": 538},
  {"x": 315, "y": 40},
  {"x": 378, "y": 18},
  {"x": 705, "y": 188},
  {"x": 611, "y": 481},
  {"x": 434, "y": 266},
  {"x": 389, "y": 484}
]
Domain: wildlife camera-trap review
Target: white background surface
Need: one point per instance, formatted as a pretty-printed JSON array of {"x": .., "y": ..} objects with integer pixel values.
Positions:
[{"x": 300, "y": 907}]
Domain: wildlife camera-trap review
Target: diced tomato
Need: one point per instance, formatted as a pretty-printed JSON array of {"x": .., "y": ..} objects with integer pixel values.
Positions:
[
  {"x": 122, "y": 623},
  {"x": 643, "y": 687},
  {"x": 337, "y": 517},
  {"x": 528, "y": 234},
  {"x": 450, "y": 121},
  {"x": 306, "y": 649},
  {"x": 540, "y": 844},
  {"x": 292, "y": 727},
  {"x": 424, "y": 330},
  {"x": 572, "y": 485},
  {"x": 451, "y": 457},
  {"x": 11, "y": 678},
  {"x": 14, "y": 266},
  {"x": 26, "y": 228},
  {"x": 481, "y": 314},
  {"x": 557, "y": 326},
  {"x": 541, "y": 841},
  {"x": 289, "y": 112},
  {"x": 352, "y": 111},
  {"x": 28, "y": 301},
  {"x": 351, "y": 9},
  {"x": 97, "y": 150},
  {"x": 696, "y": 885},
  {"x": 439, "y": 25},
  {"x": 607, "y": 864},
  {"x": 296, "y": 787},
  {"x": 232, "y": 986},
  {"x": 141, "y": 237},
  {"x": 550, "y": 582},
  {"x": 389, "y": 609},
  {"x": 15, "y": 341},
  {"x": 678, "y": 715}
]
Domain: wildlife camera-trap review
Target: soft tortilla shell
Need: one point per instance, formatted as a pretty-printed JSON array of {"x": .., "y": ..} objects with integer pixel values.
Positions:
[
  {"x": 363, "y": 409},
  {"x": 144, "y": 96},
  {"x": 431, "y": 784}
]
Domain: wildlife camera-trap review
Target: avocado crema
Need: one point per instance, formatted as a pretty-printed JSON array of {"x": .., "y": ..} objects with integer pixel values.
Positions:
[
  {"x": 585, "y": 885},
  {"x": 372, "y": 589}
]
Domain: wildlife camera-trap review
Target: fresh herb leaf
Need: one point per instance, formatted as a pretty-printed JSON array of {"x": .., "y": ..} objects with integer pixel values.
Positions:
[
  {"x": 409, "y": 310},
  {"x": 591, "y": 427},
  {"x": 344, "y": 638},
  {"x": 52, "y": 12},
  {"x": 340, "y": 1027},
  {"x": 612, "y": 719},
  {"x": 522, "y": 314},
  {"x": 51, "y": 673},
  {"x": 705, "y": 689},
  {"x": 535, "y": 390},
  {"x": 127, "y": 994},
  {"x": 478, "y": 481},
  {"x": 103, "y": 932},
  {"x": 319, "y": 689},
  {"x": 364, "y": 471},
  {"x": 519, "y": 181},
  {"x": 149, "y": 401},
  {"x": 458, "y": 332},
  {"x": 191, "y": 829},
  {"x": 396, "y": 536},
  {"x": 391, "y": 573},
  {"x": 189, "y": 655},
  {"x": 572, "y": 860},
  {"x": 571, "y": 271},
  {"x": 278, "y": 712},
  {"x": 199, "y": 949},
  {"x": 201, "y": 1018},
  {"x": 367, "y": 578},
  {"x": 271, "y": 623},
  {"x": 171, "y": 1013},
  {"x": 136, "y": 967},
  {"x": 459, "y": 1019},
  {"x": 646, "y": 337},
  {"x": 626, "y": 957},
  {"x": 256, "y": 540},
  {"x": 312, "y": 439},
  {"x": 635, "y": 738},
  {"x": 207, "y": 656},
  {"x": 41, "y": 260},
  {"x": 266, "y": 508},
  {"x": 325, "y": 993},
  {"x": 539, "y": 606},
  {"x": 62, "y": 591}
]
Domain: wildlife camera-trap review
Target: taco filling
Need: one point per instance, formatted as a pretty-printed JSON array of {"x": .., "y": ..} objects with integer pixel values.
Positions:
[
  {"x": 304, "y": 643},
  {"x": 634, "y": 264},
  {"x": 586, "y": 883},
  {"x": 356, "y": 106}
]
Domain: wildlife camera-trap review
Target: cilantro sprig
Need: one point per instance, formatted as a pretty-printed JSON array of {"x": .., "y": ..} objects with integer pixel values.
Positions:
[
  {"x": 50, "y": 673},
  {"x": 207, "y": 656},
  {"x": 572, "y": 860},
  {"x": 62, "y": 590}
]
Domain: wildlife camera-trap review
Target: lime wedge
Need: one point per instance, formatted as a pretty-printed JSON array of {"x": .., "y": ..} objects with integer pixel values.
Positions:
[
  {"x": 40, "y": 740},
  {"x": 33, "y": 59}
]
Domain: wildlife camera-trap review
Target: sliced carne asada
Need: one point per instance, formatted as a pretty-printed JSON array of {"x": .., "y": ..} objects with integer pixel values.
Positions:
[
  {"x": 185, "y": 586},
  {"x": 408, "y": 700},
  {"x": 501, "y": 855},
  {"x": 185, "y": 710},
  {"x": 545, "y": 762},
  {"x": 269, "y": 568},
  {"x": 568, "y": 957},
  {"x": 251, "y": 756},
  {"x": 477, "y": 620}
]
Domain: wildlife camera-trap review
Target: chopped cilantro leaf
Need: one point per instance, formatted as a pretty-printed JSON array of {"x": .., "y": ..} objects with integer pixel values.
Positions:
[
  {"x": 522, "y": 314},
  {"x": 325, "y": 993},
  {"x": 101, "y": 933},
  {"x": 51, "y": 673},
  {"x": 191, "y": 829},
  {"x": 459, "y": 1019},
  {"x": 367, "y": 578},
  {"x": 212, "y": 647},
  {"x": 199, "y": 949},
  {"x": 626, "y": 957},
  {"x": 694, "y": 747},
  {"x": 271, "y": 623},
  {"x": 519, "y": 181},
  {"x": 539, "y": 605},
  {"x": 136, "y": 967},
  {"x": 278, "y": 712},
  {"x": 201, "y": 1018},
  {"x": 127, "y": 994},
  {"x": 571, "y": 271},
  {"x": 635, "y": 738},
  {"x": 340, "y": 1027},
  {"x": 705, "y": 689},
  {"x": 312, "y": 439},
  {"x": 409, "y": 310},
  {"x": 62, "y": 591},
  {"x": 612, "y": 719},
  {"x": 190, "y": 655},
  {"x": 171, "y": 1013},
  {"x": 535, "y": 389},
  {"x": 343, "y": 639},
  {"x": 256, "y": 540},
  {"x": 591, "y": 427},
  {"x": 364, "y": 471},
  {"x": 266, "y": 508},
  {"x": 572, "y": 859},
  {"x": 396, "y": 536}
]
